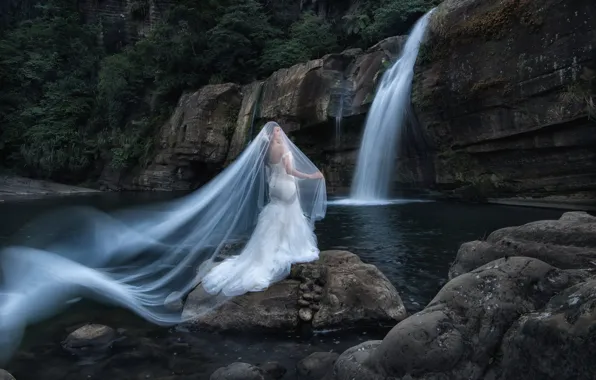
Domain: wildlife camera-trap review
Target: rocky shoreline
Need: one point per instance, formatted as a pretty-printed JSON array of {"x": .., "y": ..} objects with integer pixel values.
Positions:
[
  {"x": 523, "y": 287},
  {"x": 14, "y": 188}
]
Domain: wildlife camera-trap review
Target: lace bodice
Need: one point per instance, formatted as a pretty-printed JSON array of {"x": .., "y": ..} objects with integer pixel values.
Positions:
[{"x": 282, "y": 186}]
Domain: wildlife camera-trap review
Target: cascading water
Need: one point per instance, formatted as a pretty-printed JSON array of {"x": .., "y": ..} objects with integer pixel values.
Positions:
[
  {"x": 385, "y": 122},
  {"x": 338, "y": 116}
]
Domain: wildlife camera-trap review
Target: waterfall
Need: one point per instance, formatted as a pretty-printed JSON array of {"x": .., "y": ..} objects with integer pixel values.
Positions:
[
  {"x": 255, "y": 113},
  {"x": 338, "y": 116},
  {"x": 385, "y": 122}
]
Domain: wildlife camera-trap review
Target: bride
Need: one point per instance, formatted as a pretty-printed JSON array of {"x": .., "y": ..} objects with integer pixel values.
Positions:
[
  {"x": 145, "y": 258},
  {"x": 283, "y": 235}
]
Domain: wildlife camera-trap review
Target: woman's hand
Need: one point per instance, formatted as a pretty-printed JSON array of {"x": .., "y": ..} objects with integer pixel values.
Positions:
[{"x": 317, "y": 175}]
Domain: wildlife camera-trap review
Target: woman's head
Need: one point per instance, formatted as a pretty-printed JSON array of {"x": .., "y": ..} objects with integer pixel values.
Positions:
[{"x": 273, "y": 131}]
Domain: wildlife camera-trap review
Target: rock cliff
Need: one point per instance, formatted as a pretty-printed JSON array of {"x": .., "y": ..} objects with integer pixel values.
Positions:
[
  {"x": 503, "y": 98},
  {"x": 209, "y": 128},
  {"x": 503, "y": 90}
]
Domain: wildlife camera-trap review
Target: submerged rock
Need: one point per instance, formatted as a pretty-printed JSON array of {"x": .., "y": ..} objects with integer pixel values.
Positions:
[
  {"x": 567, "y": 243},
  {"x": 274, "y": 370},
  {"x": 90, "y": 339},
  {"x": 316, "y": 365},
  {"x": 348, "y": 293},
  {"x": 239, "y": 371}
]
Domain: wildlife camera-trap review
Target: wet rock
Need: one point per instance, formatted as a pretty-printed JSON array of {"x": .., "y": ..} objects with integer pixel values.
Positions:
[
  {"x": 567, "y": 243},
  {"x": 239, "y": 371},
  {"x": 458, "y": 332},
  {"x": 305, "y": 314},
  {"x": 352, "y": 363},
  {"x": 354, "y": 294},
  {"x": 557, "y": 342},
  {"x": 316, "y": 365},
  {"x": 303, "y": 302},
  {"x": 90, "y": 339},
  {"x": 274, "y": 370},
  {"x": 307, "y": 296},
  {"x": 4, "y": 375}
]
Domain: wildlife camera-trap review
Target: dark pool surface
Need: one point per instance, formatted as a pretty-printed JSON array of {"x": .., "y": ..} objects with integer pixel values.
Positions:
[{"x": 412, "y": 243}]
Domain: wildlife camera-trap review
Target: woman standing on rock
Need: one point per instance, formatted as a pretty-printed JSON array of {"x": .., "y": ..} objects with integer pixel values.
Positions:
[
  {"x": 146, "y": 258},
  {"x": 283, "y": 234}
]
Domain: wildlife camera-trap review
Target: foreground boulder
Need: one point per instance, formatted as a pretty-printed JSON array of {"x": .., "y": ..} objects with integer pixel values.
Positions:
[
  {"x": 555, "y": 343},
  {"x": 457, "y": 334},
  {"x": 4, "y": 375},
  {"x": 567, "y": 243},
  {"x": 336, "y": 291}
]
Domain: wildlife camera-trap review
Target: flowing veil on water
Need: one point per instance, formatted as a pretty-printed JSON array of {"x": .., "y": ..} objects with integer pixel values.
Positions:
[{"x": 141, "y": 258}]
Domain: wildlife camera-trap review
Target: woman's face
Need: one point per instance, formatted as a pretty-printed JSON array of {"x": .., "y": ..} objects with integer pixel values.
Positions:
[{"x": 276, "y": 132}]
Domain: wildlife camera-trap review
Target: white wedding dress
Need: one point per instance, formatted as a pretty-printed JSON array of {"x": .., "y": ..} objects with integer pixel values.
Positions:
[{"x": 282, "y": 237}]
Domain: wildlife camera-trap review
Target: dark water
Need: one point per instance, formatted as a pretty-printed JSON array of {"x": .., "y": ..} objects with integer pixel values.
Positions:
[{"x": 413, "y": 244}]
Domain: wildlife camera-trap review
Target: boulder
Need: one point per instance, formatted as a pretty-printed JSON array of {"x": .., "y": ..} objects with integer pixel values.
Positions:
[
  {"x": 238, "y": 371},
  {"x": 90, "y": 339},
  {"x": 567, "y": 243},
  {"x": 4, "y": 375},
  {"x": 273, "y": 370},
  {"x": 503, "y": 90},
  {"x": 336, "y": 291},
  {"x": 555, "y": 343},
  {"x": 316, "y": 365},
  {"x": 457, "y": 334}
]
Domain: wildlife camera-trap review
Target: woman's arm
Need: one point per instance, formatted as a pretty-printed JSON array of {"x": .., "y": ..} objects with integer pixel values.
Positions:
[{"x": 287, "y": 158}]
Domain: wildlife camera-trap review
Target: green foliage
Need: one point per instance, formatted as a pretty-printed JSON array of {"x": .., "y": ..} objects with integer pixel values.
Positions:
[
  {"x": 373, "y": 20},
  {"x": 48, "y": 92},
  {"x": 309, "y": 37}
]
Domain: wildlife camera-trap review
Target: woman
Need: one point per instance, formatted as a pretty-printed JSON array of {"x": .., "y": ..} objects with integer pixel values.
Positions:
[
  {"x": 144, "y": 258},
  {"x": 283, "y": 235}
]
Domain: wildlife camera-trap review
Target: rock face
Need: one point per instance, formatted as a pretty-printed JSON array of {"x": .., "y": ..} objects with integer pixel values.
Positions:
[
  {"x": 503, "y": 90},
  {"x": 306, "y": 99},
  {"x": 337, "y": 291},
  {"x": 193, "y": 143},
  {"x": 210, "y": 127},
  {"x": 488, "y": 322},
  {"x": 18, "y": 187},
  {"x": 567, "y": 243}
]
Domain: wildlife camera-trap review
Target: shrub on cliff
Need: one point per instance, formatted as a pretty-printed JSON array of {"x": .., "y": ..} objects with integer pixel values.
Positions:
[{"x": 48, "y": 69}]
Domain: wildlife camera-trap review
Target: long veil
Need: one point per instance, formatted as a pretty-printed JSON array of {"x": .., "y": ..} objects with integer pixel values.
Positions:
[{"x": 141, "y": 258}]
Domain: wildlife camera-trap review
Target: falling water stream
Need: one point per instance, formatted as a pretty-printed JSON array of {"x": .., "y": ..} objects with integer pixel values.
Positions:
[
  {"x": 338, "y": 117},
  {"x": 384, "y": 124}
]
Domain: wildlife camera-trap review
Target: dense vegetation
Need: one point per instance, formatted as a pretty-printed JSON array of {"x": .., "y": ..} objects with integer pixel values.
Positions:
[{"x": 71, "y": 102}]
